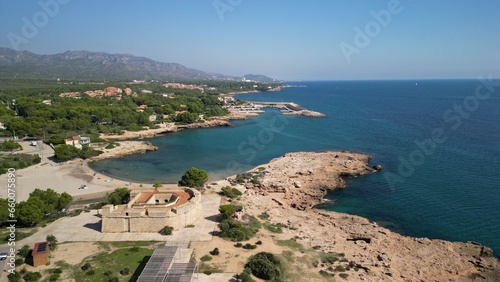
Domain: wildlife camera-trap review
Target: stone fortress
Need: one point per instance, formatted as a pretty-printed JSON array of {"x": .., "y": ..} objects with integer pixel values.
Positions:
[{"x": 150, "y": 210}]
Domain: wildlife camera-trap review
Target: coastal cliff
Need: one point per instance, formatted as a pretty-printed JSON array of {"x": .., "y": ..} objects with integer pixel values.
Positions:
[{"x": 287, "y": 188}]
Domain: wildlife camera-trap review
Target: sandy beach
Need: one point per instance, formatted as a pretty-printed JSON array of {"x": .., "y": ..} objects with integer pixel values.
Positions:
[{"x": 70, "y": 176}]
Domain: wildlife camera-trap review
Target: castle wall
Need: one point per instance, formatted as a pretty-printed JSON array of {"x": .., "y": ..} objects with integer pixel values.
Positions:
[
  {"x": 114, "y": 224},
  {"x": 129, "y": 218}
]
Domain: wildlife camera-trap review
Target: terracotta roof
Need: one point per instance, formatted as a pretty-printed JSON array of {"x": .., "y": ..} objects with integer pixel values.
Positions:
[{"x": 183, "y": 197}]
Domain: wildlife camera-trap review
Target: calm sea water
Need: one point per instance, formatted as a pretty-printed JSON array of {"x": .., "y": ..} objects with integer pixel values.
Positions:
[{"x": 451, "y": 191}]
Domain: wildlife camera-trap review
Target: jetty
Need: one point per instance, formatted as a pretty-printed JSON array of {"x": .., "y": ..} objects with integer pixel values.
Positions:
[{"x": 287, "y": 108}]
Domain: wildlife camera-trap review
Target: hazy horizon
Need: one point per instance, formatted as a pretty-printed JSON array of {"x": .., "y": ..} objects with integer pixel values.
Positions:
[{"x": 320, "y": 41}]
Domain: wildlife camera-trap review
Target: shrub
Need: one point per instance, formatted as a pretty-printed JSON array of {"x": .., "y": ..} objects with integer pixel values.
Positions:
[
  {"x": 167, "y": 230},
  {"x": 52, "y": 241},
  {"x": 255, "y": 181},
  {"x": 107, "y": 273},
  {"x": 264, "y": 216},
  {"x": 245, "y": 275},
  {"x": 275, "y": 228},
  {"x": 10, "y": 145},
  {"x": 265, "y": 266},
  {"x": 237, "y": 231},
  {"x": 249, "y": 246},
  {"x": 206, "y": 258},
  {"x": 340, "y": 268},
  {"x": 24, "y": 251},
  {"x": 54, "y": 277},
  {"x": 227, "y": 211},
  {"x": 86, "y": 266},
  {"x": 233, "y": 230},
  {"x": 36, "y": 159},
  {"x": 57, "y": 271},
  {"x": 324, "y": 273},
  {"x": 14, "y": 277},
  {"x": 125, "y": 271},
  {"x": 344, "y": 275},
  {"x": 258, "y": 243},
  {"x": 90, "y": 272},
  {"x": 19, "y": 261},
  {"x": 330, "y": 257},
  {"x": 215, "y": 252},
  {"x": 238, "y": 245},
  {"x": 32, "y": 276},
  {"x": 230, "y": 192}
]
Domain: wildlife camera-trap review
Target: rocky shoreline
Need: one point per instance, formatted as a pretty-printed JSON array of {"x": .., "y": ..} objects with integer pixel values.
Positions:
[
  {"x": 126, "y": 148},
  {"x": 287, "y": 188},
  {"x": 303, "y": 179},
  {"x": 305, "y": 113}
]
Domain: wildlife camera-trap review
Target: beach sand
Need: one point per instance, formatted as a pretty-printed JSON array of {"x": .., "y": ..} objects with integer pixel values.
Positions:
[{"x": 68, "y": 176}]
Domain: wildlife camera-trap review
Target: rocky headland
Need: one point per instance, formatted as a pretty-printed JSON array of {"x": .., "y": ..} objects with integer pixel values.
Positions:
[
  {"x": 302, "y": 180},
  {"x": 305, "y": 113},
  {"x": 288, "y": 187},
  {"x": 125, "y": 148}
]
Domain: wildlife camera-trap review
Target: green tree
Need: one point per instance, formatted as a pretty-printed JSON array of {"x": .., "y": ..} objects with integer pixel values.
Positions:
[
  {"x": 49, "y": 198},
  {"x": 194, "y": 177},
  {"x": 28, "y": 214},
  {"x": 55, "y": 139},
  {"x": 64, "y": 200},
  {"x": 66, "y": 152},
  {"x": 4, "y": 210},
  {"x": 186, "y": 117},
  {"x": 87, "y": 152},
  {"x": 119, "y": 196},
  {"x": 41, "y": 204}
]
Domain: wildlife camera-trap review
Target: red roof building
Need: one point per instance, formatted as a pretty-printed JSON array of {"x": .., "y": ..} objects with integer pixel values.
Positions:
[{"x": 40, "y": 253}]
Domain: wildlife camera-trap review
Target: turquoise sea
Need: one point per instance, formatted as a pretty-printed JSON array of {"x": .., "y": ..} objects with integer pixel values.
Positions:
[{"x": 447, "y": 187}]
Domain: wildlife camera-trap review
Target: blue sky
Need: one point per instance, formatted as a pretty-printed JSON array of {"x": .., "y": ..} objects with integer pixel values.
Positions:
[{"x": 290, "y": 40}]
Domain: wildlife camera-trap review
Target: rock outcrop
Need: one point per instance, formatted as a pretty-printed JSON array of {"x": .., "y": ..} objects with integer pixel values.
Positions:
[
  {"x": 305, "y": 113},
  {"x": 126, "y": 148},
  {"x": 369, "y": 252},
  {"x": 306, "y": 177}
]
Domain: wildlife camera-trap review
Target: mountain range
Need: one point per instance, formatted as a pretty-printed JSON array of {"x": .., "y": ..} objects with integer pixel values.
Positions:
[{"x": 98, "y": 66}]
